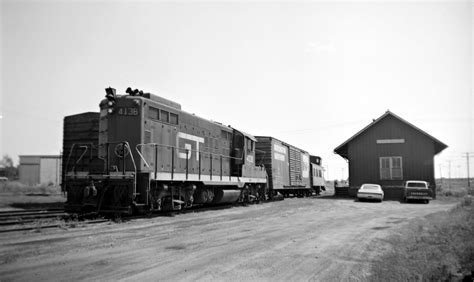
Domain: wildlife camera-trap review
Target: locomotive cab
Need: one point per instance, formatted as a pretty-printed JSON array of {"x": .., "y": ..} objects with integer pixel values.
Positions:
[{"x": 243, "y": 154}]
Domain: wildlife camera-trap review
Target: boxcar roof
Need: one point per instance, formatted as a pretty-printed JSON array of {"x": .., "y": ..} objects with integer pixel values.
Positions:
[
  {"x": 284, "y": 143},
  {"x": 342, "y": 149}
]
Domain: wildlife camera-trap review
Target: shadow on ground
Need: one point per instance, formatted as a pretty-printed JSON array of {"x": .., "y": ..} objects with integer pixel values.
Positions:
[{"x": 52, "y": 205}]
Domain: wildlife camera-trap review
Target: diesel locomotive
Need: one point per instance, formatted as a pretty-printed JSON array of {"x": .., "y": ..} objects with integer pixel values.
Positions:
[{"x": 143, "y": 153}]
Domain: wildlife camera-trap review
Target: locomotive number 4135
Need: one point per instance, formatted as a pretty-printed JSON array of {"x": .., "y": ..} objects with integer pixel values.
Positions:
[{"x": 128, "y": 111}]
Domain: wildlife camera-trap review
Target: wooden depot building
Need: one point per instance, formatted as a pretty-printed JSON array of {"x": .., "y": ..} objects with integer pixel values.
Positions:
[{"x": 388, "y": 152}]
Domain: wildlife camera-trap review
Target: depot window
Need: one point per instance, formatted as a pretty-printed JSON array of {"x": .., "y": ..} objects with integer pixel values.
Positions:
[{"x": 391, "y": 168}]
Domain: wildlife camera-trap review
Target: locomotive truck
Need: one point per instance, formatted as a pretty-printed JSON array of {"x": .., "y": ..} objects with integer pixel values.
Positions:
[{"x": 143, "y": 153}]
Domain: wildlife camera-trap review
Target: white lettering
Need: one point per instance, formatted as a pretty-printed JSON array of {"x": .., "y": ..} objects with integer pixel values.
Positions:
[
  {"x": 305, "y": 165},
  {"x": 278, "y": 156},
  {"x": 390, "y": 141},
  {"x": 279, "y": 149},
  {"x": 188, "y": 146}
]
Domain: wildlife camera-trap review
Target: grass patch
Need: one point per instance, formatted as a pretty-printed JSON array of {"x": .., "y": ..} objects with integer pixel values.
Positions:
[
  {"x": 18, "y": 188},
  {"x": 14, "y": 194},
  {"x": 437, "y": 247},
  {"x": 454, "y": 188}
]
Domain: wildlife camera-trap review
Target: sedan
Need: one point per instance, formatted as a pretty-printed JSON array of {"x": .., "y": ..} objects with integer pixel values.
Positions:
[{"x": 370, "y": 192}]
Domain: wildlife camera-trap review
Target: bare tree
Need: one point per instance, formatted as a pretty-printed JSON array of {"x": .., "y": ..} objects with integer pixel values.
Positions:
[{"x": 7, "y": 168}]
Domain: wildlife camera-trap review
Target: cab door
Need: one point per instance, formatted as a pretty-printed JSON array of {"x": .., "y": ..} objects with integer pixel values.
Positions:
[{"x": 238, "y": 153}]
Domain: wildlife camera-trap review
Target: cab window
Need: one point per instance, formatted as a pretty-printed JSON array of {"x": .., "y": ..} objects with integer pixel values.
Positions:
[
  {"x": 164, "y": 116},
  {"x": 153, "y": 113},
  {"x": 249, "y": 145},
  {"x": 173, "y": 118}
]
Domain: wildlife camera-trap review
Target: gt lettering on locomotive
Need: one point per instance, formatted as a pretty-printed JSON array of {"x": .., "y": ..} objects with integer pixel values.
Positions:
[{"x": 188, "y": 140}]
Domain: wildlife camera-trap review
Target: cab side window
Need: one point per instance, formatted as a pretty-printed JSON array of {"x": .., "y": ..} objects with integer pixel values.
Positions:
[
  {"x": 249, "y": 144},
  {"x": 173, "y": 118},
  {"x": 153, "y": 113},
  {"x": 164, "y": 116}
]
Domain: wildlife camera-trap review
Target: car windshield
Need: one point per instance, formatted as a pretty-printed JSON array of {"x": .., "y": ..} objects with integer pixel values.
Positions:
[
  {"x": 370, "y": 187},
  {"x": 416, "y": 184}
]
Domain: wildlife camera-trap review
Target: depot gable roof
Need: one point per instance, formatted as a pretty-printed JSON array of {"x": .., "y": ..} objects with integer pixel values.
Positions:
[{"x": 342, "y": 149}]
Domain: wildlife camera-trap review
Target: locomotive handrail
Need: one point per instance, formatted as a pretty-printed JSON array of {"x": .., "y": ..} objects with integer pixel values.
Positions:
[
  {"x": 83, "y": 145},
  {"x": 141, "y": 156},
  {"x": 183, "y": 149},
  {"x": 80, "y": 158},
  {"x": 189, "y": 150},
  {"x": 126, "y": 145},
  {"x": 211, "y": 155}
]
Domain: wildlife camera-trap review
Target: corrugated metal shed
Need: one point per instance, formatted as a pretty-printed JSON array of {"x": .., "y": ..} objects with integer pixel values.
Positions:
[
  {"x": 40, "y": 169},
  {"x": 389, "y": 151}
]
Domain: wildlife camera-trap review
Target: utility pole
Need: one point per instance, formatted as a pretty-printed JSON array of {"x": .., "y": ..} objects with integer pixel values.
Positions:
[
  {"x": 468, "y": 180},
  {"x": 449, "y": 171},
  {"x": 440, "y": 175}
]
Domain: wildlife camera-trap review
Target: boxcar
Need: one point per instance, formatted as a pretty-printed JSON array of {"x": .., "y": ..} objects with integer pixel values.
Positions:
[
  {"x": 288, "y": 167},
  {"x": 318, "y": 183},
  {"x": 80, "y": 143}
]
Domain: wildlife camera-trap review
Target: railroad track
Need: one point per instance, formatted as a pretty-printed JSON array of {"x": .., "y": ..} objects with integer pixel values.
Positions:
[
  {"x": 24, "y": 220},
  {"x": 6, "y": 212},
  {"x": 25, "y": 216}
]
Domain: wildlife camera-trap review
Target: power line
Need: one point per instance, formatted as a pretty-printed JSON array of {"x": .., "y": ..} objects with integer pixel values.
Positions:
[{"x": 326, "y": 125}]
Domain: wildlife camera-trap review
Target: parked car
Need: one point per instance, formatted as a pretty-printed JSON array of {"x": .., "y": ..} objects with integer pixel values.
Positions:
[
  {"x": 370, "y": 192},
  {"x": 417, "y": 190}
]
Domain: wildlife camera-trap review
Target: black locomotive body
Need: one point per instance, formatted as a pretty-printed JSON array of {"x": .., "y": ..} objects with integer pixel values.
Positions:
[{"x": 150, "y": 155}]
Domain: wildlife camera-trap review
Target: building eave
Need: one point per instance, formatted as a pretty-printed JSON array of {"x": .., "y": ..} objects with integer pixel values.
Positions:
[{"x": 342, "y": 149}]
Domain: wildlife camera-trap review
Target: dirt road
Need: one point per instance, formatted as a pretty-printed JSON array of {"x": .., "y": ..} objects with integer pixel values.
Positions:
[{"x": 295, "y": 239}]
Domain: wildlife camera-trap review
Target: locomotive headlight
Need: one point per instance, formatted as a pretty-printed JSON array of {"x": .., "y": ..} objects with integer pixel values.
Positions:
[
  {"x": 136, "y": 101},
  {"x": 110, "y": 111},
  {"x": 110, "y": 95}
]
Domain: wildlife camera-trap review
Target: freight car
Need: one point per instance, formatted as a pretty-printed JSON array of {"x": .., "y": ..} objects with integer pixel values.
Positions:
[
  {"x": 80, "y": 136},
  {"x": 318, "y": 183},
  {"x": 291, "y": 171},
  {"x": 149, "y": 154}
]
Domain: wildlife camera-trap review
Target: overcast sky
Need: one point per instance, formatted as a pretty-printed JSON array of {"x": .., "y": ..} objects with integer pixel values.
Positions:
[{"x": 309, "y": 73}]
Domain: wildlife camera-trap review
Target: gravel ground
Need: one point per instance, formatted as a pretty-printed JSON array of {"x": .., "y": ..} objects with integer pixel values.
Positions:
[{"x": 322, "y": 238}]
